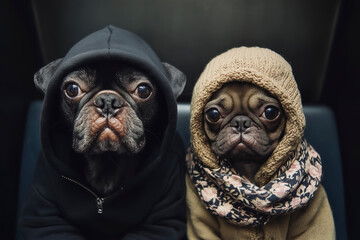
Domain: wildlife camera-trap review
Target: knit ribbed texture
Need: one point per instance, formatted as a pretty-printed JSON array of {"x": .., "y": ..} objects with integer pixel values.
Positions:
[{"x": 261, "y": 67}]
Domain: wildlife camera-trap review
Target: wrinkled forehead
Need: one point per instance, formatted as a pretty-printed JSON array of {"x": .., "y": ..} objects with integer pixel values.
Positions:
[
  {"x": 123, "y": 73},
  {"x": 240, "y": 89}
]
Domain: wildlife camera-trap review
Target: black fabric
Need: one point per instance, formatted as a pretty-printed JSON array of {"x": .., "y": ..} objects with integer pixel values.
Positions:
[{"x": 150, "y": 206}]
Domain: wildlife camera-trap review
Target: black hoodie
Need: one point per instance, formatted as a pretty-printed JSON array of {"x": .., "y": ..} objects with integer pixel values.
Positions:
[{"x": 61, "y": 205}]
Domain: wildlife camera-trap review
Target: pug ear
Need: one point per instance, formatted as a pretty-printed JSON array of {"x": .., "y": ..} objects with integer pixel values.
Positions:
[
  {"x": 177, "y": 79},
  {"x": 43, "y": 76}
]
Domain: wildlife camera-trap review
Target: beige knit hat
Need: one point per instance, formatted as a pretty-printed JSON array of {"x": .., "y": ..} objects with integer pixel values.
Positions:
[{"x": 261, "y": 67}]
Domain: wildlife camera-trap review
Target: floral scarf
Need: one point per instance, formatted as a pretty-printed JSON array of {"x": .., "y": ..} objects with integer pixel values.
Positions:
[{"x": 241, "y": 202}]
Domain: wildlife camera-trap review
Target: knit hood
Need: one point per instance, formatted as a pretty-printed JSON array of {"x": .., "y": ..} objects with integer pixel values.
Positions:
[{"x": 265, "y": 69}]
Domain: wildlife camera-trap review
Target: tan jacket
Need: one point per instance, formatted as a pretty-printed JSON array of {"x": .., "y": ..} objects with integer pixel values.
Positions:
[{"x": 314, "y": 221}]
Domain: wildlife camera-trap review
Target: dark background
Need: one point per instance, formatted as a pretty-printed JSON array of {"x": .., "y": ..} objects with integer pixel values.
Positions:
[{"x": 319, "y": 38}]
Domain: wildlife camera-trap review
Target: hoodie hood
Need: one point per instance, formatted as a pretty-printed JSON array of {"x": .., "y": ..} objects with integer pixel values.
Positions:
[
  {"x": 265, "y": 69},
  {"x": 108, "y": 44},
  {"x": 150, "y": 204}
]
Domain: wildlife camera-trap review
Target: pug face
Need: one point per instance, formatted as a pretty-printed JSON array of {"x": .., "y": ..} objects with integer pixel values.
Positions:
[
  {"x": 109, "y": 107},
  {"x": 243, "y": 123}
]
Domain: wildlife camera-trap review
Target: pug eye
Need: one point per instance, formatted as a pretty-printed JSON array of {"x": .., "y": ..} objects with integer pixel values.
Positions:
[
  {"x": 72, "y": 90},
  {"x": 143, "y": 91},
  {"x": 271, "y": 112},
  {"x": 213, "y": 115}
]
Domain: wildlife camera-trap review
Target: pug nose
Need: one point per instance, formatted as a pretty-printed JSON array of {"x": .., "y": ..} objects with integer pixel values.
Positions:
[
  {"x": 108, "y": 103},
  {"x": 241, "y": 123}
]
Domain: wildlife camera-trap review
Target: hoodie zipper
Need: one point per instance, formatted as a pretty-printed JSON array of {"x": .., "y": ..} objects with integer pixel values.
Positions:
[{"x": 99, "y": 200}]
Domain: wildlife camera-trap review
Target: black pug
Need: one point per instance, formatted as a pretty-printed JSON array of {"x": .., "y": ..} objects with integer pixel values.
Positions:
[
  {"x": 112, "y": 108},
  {"x": 111, "y": 164}
]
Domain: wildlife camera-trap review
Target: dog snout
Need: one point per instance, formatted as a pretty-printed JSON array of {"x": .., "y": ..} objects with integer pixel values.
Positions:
[
  {"x": 241, "y": 123},
  {"x": 108, "y": 103}
]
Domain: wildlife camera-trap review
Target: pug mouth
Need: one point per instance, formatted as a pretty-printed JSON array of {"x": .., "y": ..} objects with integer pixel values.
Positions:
[
  {"x": 107, "y": 128},
  {"x": 106, "y": 139},
  {"x": 243, "y": 145},
  {"x": 240, "y": 146},
  {"x": 107, "y": 134},
  {"x": 119, "y": 133}
]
